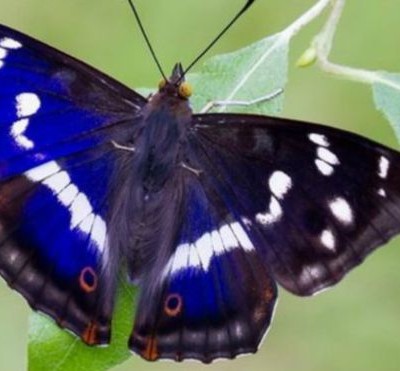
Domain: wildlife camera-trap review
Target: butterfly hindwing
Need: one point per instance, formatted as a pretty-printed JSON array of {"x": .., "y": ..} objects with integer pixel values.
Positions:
[
  {"x": 53, "y": 242},
  {"x": 213, "y": 297},
  {"x": 317, "y": 200},
  {"x": 60, "y": 123}
]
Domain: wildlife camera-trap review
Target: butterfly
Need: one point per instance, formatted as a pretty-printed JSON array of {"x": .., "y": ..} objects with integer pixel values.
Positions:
[{"x": 207, "y": 212}]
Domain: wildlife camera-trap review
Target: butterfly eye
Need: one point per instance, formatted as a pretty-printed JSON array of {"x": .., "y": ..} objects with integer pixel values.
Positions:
[
  {"x": 162, "y": 83},
  {"x": 185, "y": 90}
]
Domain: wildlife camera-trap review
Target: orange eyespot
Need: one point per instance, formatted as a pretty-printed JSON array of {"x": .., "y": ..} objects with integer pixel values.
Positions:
[
  {"x": 185, "y": 90},
  {"x": 173, "y": 305},
  {"x": 88, "y": 280},
  {"x": 162, "y": 83}
]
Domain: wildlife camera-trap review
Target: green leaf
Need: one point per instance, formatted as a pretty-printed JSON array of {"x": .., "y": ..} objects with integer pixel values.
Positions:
[
  {"x": 249, "y": 73},
  {"x": 387, "y": 97},
  {"x": 51, "y": 348},
  {"x": 246, "y": 74}
]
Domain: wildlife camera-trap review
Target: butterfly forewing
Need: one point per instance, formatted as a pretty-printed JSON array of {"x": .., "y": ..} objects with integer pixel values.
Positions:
[
  {"x": 316, "y": 199},
  {"x": 51, "y": 103}
]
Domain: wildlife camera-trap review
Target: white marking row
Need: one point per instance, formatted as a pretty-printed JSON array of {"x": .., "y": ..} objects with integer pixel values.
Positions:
[
  {"x": 327, "y": 156},
  {"x": 326, "y": 159},
  {"x": 328, "y": 239},
  {"x": 7, "y": 44},
  {"x": 17, "y": 131},
  {"x": 319, "y": 139},
  {"x": 341, "y": 209},
  {"x": 82, "y": 215},
  {"x": 3, "y": 53},
  {"x": 279, "y": 184},
  {"x": 383, "y": 167},
  {"x": 381, "y": 192},
  {"x": 200, "y": 253},
  {"x": 323, "y": 167},
  {"x": 272, "y": 215},
  {"x": 26, "y": 104}
]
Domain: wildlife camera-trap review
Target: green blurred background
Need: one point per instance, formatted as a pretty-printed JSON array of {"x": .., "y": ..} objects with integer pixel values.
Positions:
[{"x": 355, "y": 326}]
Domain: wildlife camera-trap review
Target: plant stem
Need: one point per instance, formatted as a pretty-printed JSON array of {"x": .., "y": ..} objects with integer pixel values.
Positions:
[
  {"x": 305, "y": 18},
  {"x": 281, "y": 38},
  {"x": 323, "y": 45}
]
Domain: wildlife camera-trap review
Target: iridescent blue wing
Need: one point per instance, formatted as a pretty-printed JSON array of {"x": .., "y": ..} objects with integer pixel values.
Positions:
[
  {"x": 51, "y": 104},
  {"x": 208, "y": 294},
  {"x": 59, "y": 119},
  {"x": 317, "y": 200}
]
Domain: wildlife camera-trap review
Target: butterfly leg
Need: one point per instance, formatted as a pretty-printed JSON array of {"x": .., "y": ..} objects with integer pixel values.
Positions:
[
  {"x": 125, "y": 148},
  {"x": 195, "y": 171},
  {"x": 209, "y": 106}
]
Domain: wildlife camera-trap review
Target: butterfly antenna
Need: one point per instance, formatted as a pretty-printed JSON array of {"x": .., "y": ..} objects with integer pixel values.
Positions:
[
  {"x": 142, "y": 30},
  {"x": 226, "y": 28}
]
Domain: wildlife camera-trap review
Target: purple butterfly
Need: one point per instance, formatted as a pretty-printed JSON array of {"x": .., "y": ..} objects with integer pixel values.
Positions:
[{"x": 207, "y": 212}]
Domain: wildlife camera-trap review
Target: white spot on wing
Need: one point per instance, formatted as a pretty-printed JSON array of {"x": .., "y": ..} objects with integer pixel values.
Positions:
[
  {"x": 41, "y": 172},
  {"x": 382, "y": 192},
  {"x": 58, "y": 181},
  {"x": 180, "y": 258},
  {"x": 67, "y": 195},
  {"x": 194, "y": 260},
  {"x": 273, "y": 215},
  {"x": 217, "y": 243},
  {"x": 328, "y": 156},
  {"x": 19, "y": 127},
  {"x": 99, "y": 232},
  {"x": 383, "y": 167},
  {"x": 79, "y": 208},
  {"x": 3, "y": 53},
  {"x": 204, "y": 249},
  {"x": 323, "y": 167},
  {"x": 328, "y": 239},
  {"x": 319, "y": 139},
  {"x": 246, "y": 221},
  {"x": 9, "y": 43},
  {"x": 341, "y": 210},
  {"x": 27, "y": 104},
  {"x": 228, "y": 238},
  {"x": 17, "y": 132},
  {"x": 279, "y": 184},
  {"x": 242, "y": 236},
  {"x": 86, "y": 224}
]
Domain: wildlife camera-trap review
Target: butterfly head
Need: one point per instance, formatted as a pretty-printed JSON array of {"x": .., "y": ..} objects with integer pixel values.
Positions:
[{"x": 176, "y": 84}]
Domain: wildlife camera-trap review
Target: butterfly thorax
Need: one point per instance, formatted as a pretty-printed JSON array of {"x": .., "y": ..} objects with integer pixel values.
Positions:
[{"x": 158, "y": 151}]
